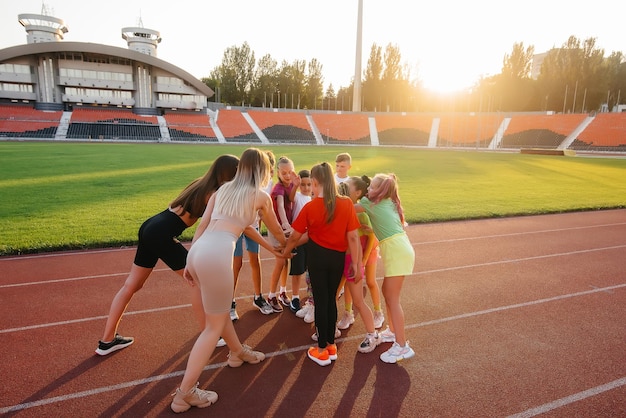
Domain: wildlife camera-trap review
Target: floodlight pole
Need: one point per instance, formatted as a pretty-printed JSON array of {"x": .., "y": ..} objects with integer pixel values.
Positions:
[{"x": 356, "y": 102}]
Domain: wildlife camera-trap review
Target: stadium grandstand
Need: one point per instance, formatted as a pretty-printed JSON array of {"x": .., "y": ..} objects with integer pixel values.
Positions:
[{"x": 51, "y": 89}]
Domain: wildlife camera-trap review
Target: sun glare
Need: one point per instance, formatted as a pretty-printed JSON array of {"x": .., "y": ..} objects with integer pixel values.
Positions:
[{"x": 445, "y": 82}]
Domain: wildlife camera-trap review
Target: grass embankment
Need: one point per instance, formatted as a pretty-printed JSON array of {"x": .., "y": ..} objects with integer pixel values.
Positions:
[{"x": 68, "y": 195}]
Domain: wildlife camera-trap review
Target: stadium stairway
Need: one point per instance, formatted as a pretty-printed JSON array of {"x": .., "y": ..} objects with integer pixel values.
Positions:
[
  {"x": 497, "y": 137},
  {"x": 572, "y": 137},
  {"x": 218, "y": 132},
  {"x": 316, "y": 132},
  {"x": 165, "y": 132},
  {"x": 64, "y": 125},
  {"x": 255, "y": 128},
  {"x": 373, "y": 131},
  {"x": 434, "y": 133}
]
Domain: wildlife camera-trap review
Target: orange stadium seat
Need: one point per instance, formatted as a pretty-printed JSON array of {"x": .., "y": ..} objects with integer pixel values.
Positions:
[
  {"x": 607, "y": 132},
  {"x": 283, "y": 126},
  {"x": 540, "y": 131},
  {"x": 27, "y": 122},
  {"x": 342, "y": 127},
  {"x": 468, "y": 130},
  {"x": 104, "y": 115},
  {"x": 190, "y": 127},
  {"x": 403, "y": 129},
  {"x": 234, "y": 127},
  {"x": 28, "y": 113}
]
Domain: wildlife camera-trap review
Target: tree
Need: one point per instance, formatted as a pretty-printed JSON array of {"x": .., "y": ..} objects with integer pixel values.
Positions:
[
  {"x": 236, "y": 74},
  {"x": 615, "y": 69},
  {"x": 372, "y": 78},
  {"x": 314, "y": 84},
  {"x": 514, "y": 84},
  {"x": 265, "y": 80},
  {"x": 573, "y": 70},
  {"x": 518, "y": 64},
  {"x": 394, "y": 83},
  {"x": 330, "y": 96}
]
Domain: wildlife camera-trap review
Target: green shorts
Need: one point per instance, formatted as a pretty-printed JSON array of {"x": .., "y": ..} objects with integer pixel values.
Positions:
[{"x": 398, "y": 255}]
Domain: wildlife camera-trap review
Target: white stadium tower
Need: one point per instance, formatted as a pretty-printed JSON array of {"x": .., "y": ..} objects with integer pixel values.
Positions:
[{"x": 50, "y": 73}]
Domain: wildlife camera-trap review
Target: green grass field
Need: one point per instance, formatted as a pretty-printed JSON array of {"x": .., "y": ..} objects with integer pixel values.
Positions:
[{"x": 77, "y": 195}]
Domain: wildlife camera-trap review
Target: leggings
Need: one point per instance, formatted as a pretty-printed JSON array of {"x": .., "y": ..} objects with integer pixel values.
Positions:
[{"x": 325, "y": 270}]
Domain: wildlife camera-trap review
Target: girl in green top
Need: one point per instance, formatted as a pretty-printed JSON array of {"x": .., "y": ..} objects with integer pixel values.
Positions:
[{"x": 383, "y": 206}]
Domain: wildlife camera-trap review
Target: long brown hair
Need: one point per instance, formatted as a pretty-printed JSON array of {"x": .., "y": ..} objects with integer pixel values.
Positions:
[
  {"x": 194, "y": 197},
  {"x": 323, "y": 174}
]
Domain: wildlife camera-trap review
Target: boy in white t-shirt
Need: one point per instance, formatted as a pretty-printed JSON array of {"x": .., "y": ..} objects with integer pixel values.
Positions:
[
  {"x": 298, "y": 262},
  {"x": 343, "y": 163}
]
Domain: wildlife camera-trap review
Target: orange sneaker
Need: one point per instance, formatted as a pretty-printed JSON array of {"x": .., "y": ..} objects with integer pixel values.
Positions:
[
  {"x": 332, "y": 351},
  {"x": 319, "y": 355}
]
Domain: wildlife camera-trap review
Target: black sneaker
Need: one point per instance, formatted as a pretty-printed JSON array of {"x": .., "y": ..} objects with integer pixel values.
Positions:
[
  {"x": 294, "y": 306},
  {"x": 118, "y": 343},
  {"x": 263, "y": 306}
]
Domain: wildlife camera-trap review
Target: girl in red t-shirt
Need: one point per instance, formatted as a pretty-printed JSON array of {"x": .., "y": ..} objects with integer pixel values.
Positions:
[{"x": 332, "y": 225}]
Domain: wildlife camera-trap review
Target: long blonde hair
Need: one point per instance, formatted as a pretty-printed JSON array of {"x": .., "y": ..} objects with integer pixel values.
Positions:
[
  {"x": 236, "y": 198},
  {"x": 387, "y": 189}
]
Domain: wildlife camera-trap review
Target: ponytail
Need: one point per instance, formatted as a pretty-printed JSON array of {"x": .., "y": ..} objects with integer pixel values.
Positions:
[{"x": 323, "y": 174}]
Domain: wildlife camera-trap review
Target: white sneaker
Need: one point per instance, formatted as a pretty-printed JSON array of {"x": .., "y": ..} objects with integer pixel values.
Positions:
[
  {"x": 397, "y": 353},
  {"x": 309, "y": 318},
  {"x": 234, "y": 316},
  {"x": 370, "y": 343},
  {"x": 303, "y": 311},
  {"x": 337, "y": 335},
  {"x": 220, "y": 342},
  {"x": 379, "y": 318},
  {"x": 387, "y": 336},
  {"x": 346, "y": 320}
]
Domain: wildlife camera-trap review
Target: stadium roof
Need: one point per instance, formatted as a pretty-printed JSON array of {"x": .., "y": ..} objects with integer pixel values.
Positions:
[{"x": 51, "y": 47}]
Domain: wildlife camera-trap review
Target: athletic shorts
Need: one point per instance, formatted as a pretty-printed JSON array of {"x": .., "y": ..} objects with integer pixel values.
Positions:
[
  {"x": 251, "y": 245},
  {"x": 157, "y": 239},
  {"x": 347, "y": 273},
  {"x": 398, "y": 255},
  {"x": 298, "y": 261}
]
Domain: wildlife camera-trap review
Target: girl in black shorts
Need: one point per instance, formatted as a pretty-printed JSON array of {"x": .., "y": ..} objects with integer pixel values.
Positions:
[{"x": 158, "y": 239}]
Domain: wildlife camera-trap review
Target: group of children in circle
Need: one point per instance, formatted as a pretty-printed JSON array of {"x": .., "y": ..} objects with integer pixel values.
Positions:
[{"x": 326, "y": 227}]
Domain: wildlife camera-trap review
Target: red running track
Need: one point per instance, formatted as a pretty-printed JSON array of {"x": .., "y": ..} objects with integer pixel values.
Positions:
[{"x": 508, "y": 317}]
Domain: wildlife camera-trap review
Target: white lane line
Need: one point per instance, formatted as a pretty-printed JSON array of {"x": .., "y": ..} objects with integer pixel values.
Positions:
[
  {"x": 518, "y": 260},
  {"x": 69, "y": 279},
  {"x": 514, "y": 234},
  {"x": 92, "y": 318},
  {"x": 416, "y": 273},
  {"x": 542, "y": 409},
  {"x": 132, "y": 248},
  {"x": 156, "y": 378},
  {"x": 515, "y": 306},
  {"x": 67, "y": 253},
  {"x": 470, "y": 266}
]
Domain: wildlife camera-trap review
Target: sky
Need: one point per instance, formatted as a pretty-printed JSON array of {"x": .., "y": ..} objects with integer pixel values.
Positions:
[{"x": 448, "y": 44}]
